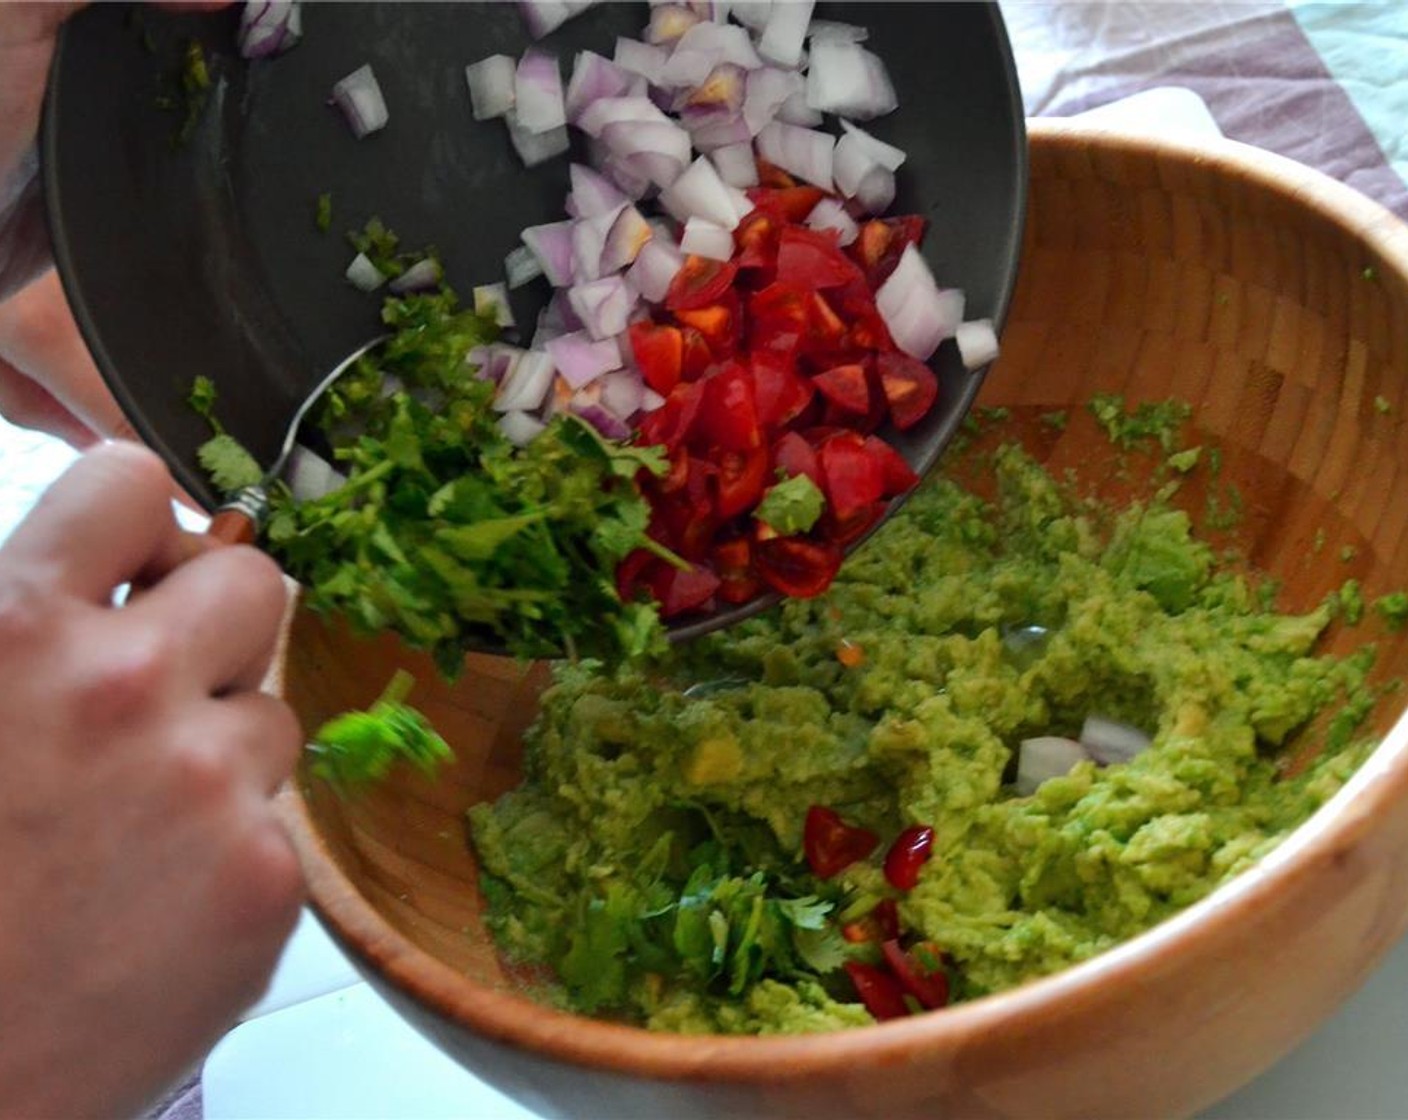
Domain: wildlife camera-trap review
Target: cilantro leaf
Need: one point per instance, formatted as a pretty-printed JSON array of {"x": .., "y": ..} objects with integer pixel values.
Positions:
[
  {"x": 202, "y": 399},
  {"x": 357, "y": 748},
  {"x": 792, "y": 506},
  {"x": 229, "y": 465}
]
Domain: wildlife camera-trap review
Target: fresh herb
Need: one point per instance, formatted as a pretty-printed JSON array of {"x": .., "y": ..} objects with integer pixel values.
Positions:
[
  {"x": 1393, "y": 608},
  {"x": 1348, "y": 554},
  {"x": 791, "y": 506},
  {"x": 229, "y": 465},
  {"x": 1150, "y": 421},
  {"x": 188, "y": 91},
  {"x": 202, "y": 398},
  {"x": 1185, "y": 460},
  {"x": 1382, "y": 405},
  {"x": 1370, "y": 273},
  {"x": 1351, "y": 600},
  {"x": 382, "y": 247},
  {"x": 357, "y": 748},
  {"x": 1057, "y": 420},
  {"x": 322, "y": 212}
]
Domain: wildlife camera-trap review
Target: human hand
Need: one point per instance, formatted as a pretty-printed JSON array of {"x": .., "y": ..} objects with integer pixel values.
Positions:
[{"x": 148, "y": 884}]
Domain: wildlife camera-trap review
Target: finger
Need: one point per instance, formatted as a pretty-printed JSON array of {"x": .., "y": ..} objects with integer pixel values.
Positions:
[
  {"x": 262, "y": 729},
  {"x": 106, "y": 520},
  {"x": 227, "y": 605},
  {"x": 29, "y": 405}
]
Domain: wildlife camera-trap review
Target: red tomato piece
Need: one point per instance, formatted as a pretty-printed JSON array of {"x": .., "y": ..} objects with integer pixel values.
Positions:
[
  {"x": 930, "y": 988},
  {"x": 681, "y": 591},
  {"x": 733, "y": 561},
  {"x": 910, "y": 851},
  {"x": 843, "y": 531},
  {"x": 659, "y": 354},
  {"x": 756, "y": 240},
  {"x": 887, "y": 918},
  {"x": 793, "y": 203},
  {"x": 728, "y": 415},
  {"x": 910, "y": 387},
  {"x": 881, "y": 242},
  {"x": 826, "y": 335},
  {"x": 631, "y": 574},
  {"x": 879, "y": 990},
  {"x": 796, "y": 566},
  {"x": 770, "y": 175},
  {"x": 700, "y": 282},
  {"x": 697, "y": 355},
  {"x": 852, "y": 477},
  {"x": 810, "y": 259},
  {"x": 675, "y": 478},
  {"x": 742, "y": 477},
  {"x": 778, "y": 309},
  {"x": 717, "y": 324},
  {"x": 870, "y": 243},
  {"x": 671, "y": 423},
  {"x": 831, "y": 845},
  {"x": 780, "y": 391},
  {"x": 898, "y": 475},
  {"x": 795, "y": 456},
  {"x": 855, "y": 303},
  {"x": 846, "y": 387}
]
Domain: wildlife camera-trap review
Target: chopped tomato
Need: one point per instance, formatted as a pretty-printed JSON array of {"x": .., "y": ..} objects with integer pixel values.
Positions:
[
  {"x": 733, "y": 563},
  {"x": 793, "y": 203},
  {"x": 881, "y": 924},
  {"x": 827, "y": 334},
  {"x": 796, "y": 566},
  {"x": 778, "y": 309},
  {"x": 844, "y": 531},
  {"x": 879, "y": 990},
  {"x": 831, "y": 845},
  {"x": 770, "y": 175},
  {"x": 852, "y": 476},
  {"x": 910, "y": 387},
  {"x": 810, "y": 259},
  {"x": 897, "y": 474},
  {"x": 680, "y": 591},
  {"x": 675, "y": 478},
  {"x": 781, "y": 392},
  {"x": 756, "y": 240},
  {"x": 671, "y": 423},
  {"x": 881, "y": 242},
  {"x": 697, "y": 355},
  {"x": 928, "y": 987},
  {"x": 700, "y": 282},
  {"x": 845, "y": 387},
  {"x": 728, "y": 414},
  {"x": 855, "y": 303},
  {"x": 659, "y": 354},
  {"x": 630, "y": 574},
  {"x": 717, "y": 324},
  {"x": 795, "y": 456},
  {"x": 742, "y": 477},
  {"x": 910, "y": 851}
]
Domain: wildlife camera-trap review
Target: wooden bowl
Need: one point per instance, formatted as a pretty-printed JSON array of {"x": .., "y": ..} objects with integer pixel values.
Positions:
[{"x": 1276, "y": 302}]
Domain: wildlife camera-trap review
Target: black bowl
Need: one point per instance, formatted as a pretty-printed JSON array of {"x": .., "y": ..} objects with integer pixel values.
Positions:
[{"x": 204, "y": 258}]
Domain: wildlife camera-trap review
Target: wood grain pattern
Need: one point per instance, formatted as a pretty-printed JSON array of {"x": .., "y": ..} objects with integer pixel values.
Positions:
[{"x": 1228, "y": 277}]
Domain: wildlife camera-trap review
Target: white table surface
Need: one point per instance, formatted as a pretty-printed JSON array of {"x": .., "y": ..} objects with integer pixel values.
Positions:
[{"x": 321, "y": 1045}]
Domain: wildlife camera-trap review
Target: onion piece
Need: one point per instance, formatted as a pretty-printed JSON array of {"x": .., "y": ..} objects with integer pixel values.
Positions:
[
  {"x": 545, "y": 16},
  {"x": 580, "y": 359},
  {"x": 655, "y": 268},
  {"x": 721, "y": 91},
  {"x": 420, "y": 276},
  {"x": 525, "y": 385},
  {"x": 659, "y": 150},
  {"x": 629, "y": 233},
  {"x": 310, "y": 476},
  {"x": 641, "y": 58},
  {"x": 686, "y": 68},
  {"x": 623, "y": 392},
  {"x": 831, "y": 214},
  {"x": 977, "y": 343},
  {"x": 767, "y": 91},
  {"x": 668, "y": 23},
  {"x": 785, "y": 32},
  {"x": 592, "y": 193},
  {"x": 847, "y": 79},
  {"x": 1046, "y": 756},
  {"x": 721, "y": 42},
  {"x": 519, "y": 428},
  {"x": 886, "y": 155},
  {"x": 491, "y": 302},
  {"x": 650, "y": 400},
  {"x": 491, "y": 86},
  {"x": 537, "y": 93},
  {"x": 604, "y": 306},
  {"x": 269, "y": 27},
  {"x": 359, "y": 97},
  {"x": 534, "y": 148},
  {"x": 852, "y": 163},
  {"x": 736, "y": 165},
  {"x": 795, "y": 110},
  {"x": 804, "y": 152},
  {"x": 822, "y": 30},
  {"x": 521, "y": 266},
  {"x": 586, "y": 403},
  {"x": 1108, "y": 741},
  {"x": 493, "y": 361},
  {"x": 703, "y": 238},
  {"x": 599, "y": 115},
  {"x": 918, "y": 314},
  {"x": 363, "y": 275},
  {"x": 593, "y": 78},
  {"x": 752, "y": 14},
  {"x": 712, "y": 132},
  {"x": 552, "y": 245},
  {"x": 588, "y": 240},
  {"x": 700, "y": 193},
  {"x": 876, "y": 190},
  {"x": 558, "y": 314}
]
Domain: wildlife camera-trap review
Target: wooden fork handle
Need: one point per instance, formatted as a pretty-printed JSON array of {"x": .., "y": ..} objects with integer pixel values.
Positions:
[{"x": 232, "y": 526}]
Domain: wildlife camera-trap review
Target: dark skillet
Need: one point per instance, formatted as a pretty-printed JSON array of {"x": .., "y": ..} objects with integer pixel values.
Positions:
[{"x": 205, "y": 258}]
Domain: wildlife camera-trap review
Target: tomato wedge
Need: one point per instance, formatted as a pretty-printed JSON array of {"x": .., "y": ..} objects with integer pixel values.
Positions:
[
  {"x": 717, "y": 324},
  {"x": 796, "y": 566},
  {"x": 778, "y": 309},
  {"x": 770, "y": 175},
  {"x": 794, "y": 455},
  {"x": 793, "y": 203},
  {"x": 671, "y": 423},
  {"x": 733, "y": 563},
  {"x": 697, "y": 355},
  {"x": 781, "y": 392},
  {"x": 659, "y": 354},
  {"x": 910, "y": 387},
  {"x": 852, "y": 476},
  {"x": 910, "y": 852},
  {"x": 845, "y": 387},
  {"x": 728, "y": 414},
  {"x": 928, "y": 987},
  {"x": 699, "y": 282},
  {"x": 742, "y": 477},
  {"x": 898, "y": 476},
  {"x": 756, "y": 240},
  {"x": 810, "y": 259},
  {"x": 878, "y": 990},
  {"x": 680, "y": 591},
  {"x": 831, "y": 845}
]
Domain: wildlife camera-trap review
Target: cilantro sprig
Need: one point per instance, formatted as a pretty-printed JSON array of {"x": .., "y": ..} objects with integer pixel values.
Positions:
[{"x": 357, "y": 748}]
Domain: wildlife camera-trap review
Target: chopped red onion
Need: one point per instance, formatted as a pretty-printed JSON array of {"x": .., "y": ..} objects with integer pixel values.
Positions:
[
  {"x": 852, "y": 162},
  {"x": 545, "y": 16},
  {"x": 359, "y": 97},
  {"x": 552, "y": 245},
  {"x": 494, "y": 361},
  {"x": 827, "y": 29},
  {"x": 785, "y": 32},
  {"x": 700, "y": 193},
  {"x": 519, "y": 428},
  {"x": 593, "y": 78},
  {"x": 1046, "y": 756},
  {"x": 795, "y": 110},
  {"x": 622, "y": 391},
  {"x": 686, "y": 69},
  {"x": 580, "y": 359},
  {"x": 767, "y": 90},
  {"x": 588, "y": 240},
  {"x": 977, "y": 346},
  {"x": 310, "y": 476},
  {"x": 641, "y": 58},
  {"x": 655, "y": 268},
  {"x": 804, "y": 152},
  {"x": 659, "y": 150},
  {"x": 593, "y": 193},
  {"x": 847, "y": 79},
  {"x": 364, "y": 275},
  {"x": 632, "y": 183},
  {"x": 713, "y": 132},
  {"x": 876, "y": 191},
  {"x": 705, "y": 239},
  {"x": 886, "y": 155},
  {"x": 721, "y": 42},
  {"x": 521, "y": 266},
  {"x": 491, "y": 302},
  {"x": 918, "y": 314},
  {"x": 650, "y": 400},
  {"x": 668, "y": 22},
  {"x": 525, "y": 385},
  {"x": 721, "y": 92},
  {"x": 559, "y": 314},
  {"x": 604, "y": 306},
  {"x": 1108, "y": 741},
  {"x": 537, "y": 92},
  {"x": 420, "y": 276},
  {"x": 491, "y": 84},
  {"x": 587, "y": 405},
  {"x": 611, "y": 110},
  {"x": 269, "y": 27},
  {"x": 628, "y": 235},
  {"x": 831, "y": 214},
  {"x": 736, "y": 165},
  {"x": 534, "y": 148},
  {"x": 753, "y": 14}
]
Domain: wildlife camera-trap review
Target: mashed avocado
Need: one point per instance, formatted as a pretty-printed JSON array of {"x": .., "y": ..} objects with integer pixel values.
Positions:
[{"x": 654, "y": 855}]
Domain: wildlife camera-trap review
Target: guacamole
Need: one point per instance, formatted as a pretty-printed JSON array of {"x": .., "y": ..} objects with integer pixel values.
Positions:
[{"x": 654, "y": 856}]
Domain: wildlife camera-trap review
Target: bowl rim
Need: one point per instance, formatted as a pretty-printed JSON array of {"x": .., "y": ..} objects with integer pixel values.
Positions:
[{"x": 1335, "y": 828}]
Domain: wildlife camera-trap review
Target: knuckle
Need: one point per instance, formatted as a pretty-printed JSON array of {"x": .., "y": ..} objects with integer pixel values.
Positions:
[
  {"x": 136, "y": 465},
  {"x": 273, "y": 881},
  {"x": 130, "y": 679},
  {"x": 202, "y": 774},
  {"x": 25, "y": 613}
]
